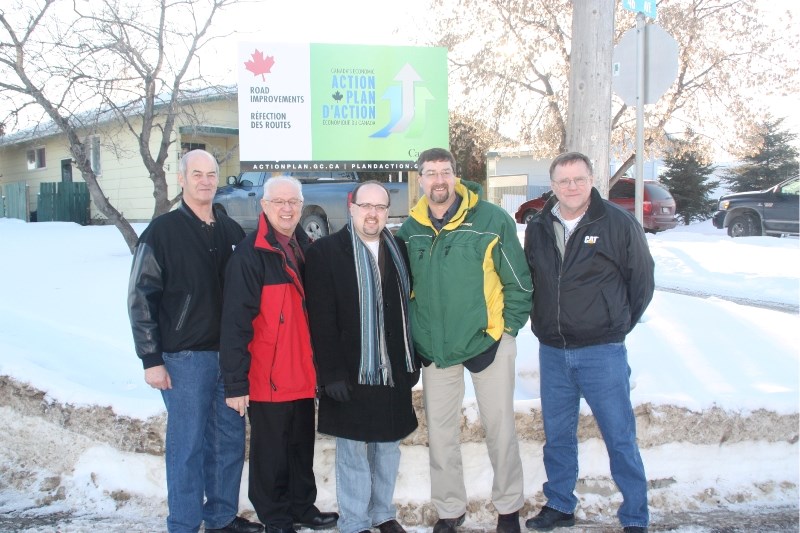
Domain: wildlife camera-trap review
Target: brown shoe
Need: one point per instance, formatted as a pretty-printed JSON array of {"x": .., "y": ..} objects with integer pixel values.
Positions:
[{"x": 391, "y": 526}]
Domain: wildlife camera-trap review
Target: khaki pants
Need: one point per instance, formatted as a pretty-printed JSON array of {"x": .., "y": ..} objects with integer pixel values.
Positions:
[{"x": 443, "y": 390}]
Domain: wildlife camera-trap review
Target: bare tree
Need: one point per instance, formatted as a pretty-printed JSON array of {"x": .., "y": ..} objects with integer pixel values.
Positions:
[
  {"x": 84, "y": 62},
  {"x": 510, "y": 63},
  {"x": 469, "y": 143}
]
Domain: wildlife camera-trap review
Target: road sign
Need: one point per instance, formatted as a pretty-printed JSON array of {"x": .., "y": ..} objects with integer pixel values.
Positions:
[
  {"x": 660, "y": 64},
  {"x": 644, "y": 66},
  {"x": 648, "y": 7}
]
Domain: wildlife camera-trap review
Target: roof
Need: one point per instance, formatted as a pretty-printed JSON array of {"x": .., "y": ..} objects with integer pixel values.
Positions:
[{"x": 107, "y": 114}]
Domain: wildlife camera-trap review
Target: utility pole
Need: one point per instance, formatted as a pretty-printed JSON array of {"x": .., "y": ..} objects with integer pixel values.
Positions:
[{"x": 589, "y": 107}]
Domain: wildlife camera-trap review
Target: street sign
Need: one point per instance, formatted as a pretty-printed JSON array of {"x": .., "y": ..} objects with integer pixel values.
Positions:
[
  {"x": 645, "y": 64},
  {"x": 648, "y": 7},
  {"x": 660, "y": 64}
]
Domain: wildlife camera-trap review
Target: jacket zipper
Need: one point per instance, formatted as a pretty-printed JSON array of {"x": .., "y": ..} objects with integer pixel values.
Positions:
[
  {"x": 561, "y": 273},
  {"x": 184, "y": 312},
  {"x": 271, "y": 382}
]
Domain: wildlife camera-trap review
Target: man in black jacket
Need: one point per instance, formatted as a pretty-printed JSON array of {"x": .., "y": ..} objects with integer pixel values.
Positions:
[
  {"x": 593, "y": 279},
  {"x": 174, "y": 304},
  {"x": 357, "y": 288}
]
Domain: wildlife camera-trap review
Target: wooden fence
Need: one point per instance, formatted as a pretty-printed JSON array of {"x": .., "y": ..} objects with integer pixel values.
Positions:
[
  {"x": 63, "y": 201},
  {"x": 14, "y": 200}
]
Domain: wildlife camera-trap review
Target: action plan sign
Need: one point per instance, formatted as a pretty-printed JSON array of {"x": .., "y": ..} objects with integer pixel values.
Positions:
[{"x": 340, "y": 107}]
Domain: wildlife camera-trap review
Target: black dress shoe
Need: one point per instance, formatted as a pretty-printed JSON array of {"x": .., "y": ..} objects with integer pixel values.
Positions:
[
  {"x": 508, "y": 523},
  {"x": 548, "y": 518},
  {"x": 321, "y": 521},
  {"x": 634, "y": 529},
  {"x": 240, "y": 525},
  {"x": 273, "y": 529},
  {"x": 391, "y": 526},
  {"x": 448, "y": 525}
]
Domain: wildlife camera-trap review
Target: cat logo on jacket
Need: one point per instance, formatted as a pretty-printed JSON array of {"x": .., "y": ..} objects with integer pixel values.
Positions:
[{"x": 590, "y": 239}]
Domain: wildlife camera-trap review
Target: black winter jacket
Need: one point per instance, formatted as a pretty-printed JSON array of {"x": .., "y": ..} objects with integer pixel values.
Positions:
[
  {"x": 375, "y": 413},
  {"x": 599, "y": 290},
  {"x": 175, "y": 287}
]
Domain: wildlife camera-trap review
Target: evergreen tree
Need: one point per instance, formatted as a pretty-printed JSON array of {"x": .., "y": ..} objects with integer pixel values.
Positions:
[
  {"x": 773, "y": 160},
  {"x": 687, "y": 181}
]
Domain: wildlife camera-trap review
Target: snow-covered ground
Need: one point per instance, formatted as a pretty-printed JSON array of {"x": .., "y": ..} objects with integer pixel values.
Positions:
[{"x": 712, "y": 378}]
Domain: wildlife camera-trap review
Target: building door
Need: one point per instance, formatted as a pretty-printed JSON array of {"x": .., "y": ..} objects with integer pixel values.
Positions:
[{"x": 66, "y": 171}]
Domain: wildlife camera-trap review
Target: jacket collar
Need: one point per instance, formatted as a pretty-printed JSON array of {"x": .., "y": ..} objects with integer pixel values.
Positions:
[
  {"x": 186, "y": 210},
  {"x": 266, "y": 239},
  {"x": 597, "y": 208},
  {"x": 470, "y": 196}
]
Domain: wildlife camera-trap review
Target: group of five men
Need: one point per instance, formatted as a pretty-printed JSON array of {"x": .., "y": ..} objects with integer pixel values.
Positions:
[{"x": 263, "y": 324}]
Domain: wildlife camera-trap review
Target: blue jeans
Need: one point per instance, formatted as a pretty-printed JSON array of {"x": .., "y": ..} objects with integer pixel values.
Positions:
[
  {"x": 601, "y": 374},
  {"x": 366, "y": 473},
  {"x": 204, "y": 446}
]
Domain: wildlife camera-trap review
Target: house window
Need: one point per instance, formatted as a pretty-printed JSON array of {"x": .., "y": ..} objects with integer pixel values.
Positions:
[
  {"x": 36, "y": 158},
  {"x": 188, "y": 147},
  {"x": 491, "y": 166},
  {"x": 94, "y": 154}
]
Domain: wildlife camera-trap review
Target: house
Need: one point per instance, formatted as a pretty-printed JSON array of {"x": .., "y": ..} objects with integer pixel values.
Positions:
[
  {"x": 515, "y": 175},
  {"x": 207, "y": 120}
]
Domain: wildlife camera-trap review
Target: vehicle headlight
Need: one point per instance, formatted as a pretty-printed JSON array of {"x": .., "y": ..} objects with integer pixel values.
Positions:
[{"x": 723, "y": 205}]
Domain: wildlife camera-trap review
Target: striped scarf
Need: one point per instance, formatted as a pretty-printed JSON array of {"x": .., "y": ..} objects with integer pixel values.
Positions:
[{"x": 375, "y": 367}]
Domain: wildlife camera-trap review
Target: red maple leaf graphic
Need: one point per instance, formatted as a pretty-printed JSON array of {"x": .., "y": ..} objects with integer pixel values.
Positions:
[{"x": 259, "y": 64}]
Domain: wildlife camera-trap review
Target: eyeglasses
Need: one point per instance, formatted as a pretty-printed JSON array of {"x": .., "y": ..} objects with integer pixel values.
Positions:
[
  {"x": 380, "y": 208},
  {"x": 579, "y": 182},
  {"x": 293, "y": 203},
  {"x": 444, "y": 174}
]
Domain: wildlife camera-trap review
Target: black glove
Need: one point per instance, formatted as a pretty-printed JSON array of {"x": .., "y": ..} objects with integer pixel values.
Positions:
[{"x": 339, "y": 391}]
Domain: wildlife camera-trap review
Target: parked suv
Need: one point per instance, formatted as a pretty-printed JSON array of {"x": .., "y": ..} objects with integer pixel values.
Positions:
[
  {"x": 658, "y": 206},
  {"x": 774, "y": 211}
]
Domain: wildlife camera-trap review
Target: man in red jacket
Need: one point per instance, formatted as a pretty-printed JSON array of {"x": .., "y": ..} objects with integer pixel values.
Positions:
[{"x": 266, "y": 362}]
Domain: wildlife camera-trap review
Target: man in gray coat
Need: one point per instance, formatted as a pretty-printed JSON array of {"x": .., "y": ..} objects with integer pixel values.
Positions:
[{"x": 357, "y": 290}]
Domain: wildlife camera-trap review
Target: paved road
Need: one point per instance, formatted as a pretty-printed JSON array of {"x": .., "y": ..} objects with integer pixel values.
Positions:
[{"x": 775, "y": 306}]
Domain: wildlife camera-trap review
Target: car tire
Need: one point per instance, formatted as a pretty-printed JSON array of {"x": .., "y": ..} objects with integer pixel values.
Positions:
[
  {"x": 314, "y": 225},
  {"x": 744, "y": 226},
  {"x": 529, "y": 214}
]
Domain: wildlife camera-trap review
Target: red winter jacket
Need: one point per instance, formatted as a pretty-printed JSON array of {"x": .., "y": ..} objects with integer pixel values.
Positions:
[{"x": 265, "y": 346}]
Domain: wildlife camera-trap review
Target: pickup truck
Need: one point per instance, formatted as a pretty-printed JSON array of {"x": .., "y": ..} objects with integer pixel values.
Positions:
[
  {"x": 325, "y": 199},
  {"x": 774, "y": 211}
]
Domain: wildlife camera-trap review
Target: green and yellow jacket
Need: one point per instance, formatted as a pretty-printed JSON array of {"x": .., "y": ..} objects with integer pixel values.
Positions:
[{"x": 471, "y": 282}]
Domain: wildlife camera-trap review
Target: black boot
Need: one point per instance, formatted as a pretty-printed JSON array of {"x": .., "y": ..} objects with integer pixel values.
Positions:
[
  {"x": 508, "y": 523},
  {"x": 548, "y": 518}
]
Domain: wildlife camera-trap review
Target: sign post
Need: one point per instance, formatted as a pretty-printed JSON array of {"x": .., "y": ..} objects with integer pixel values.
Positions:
[
  {"x": 641, "y": 50},
  {"x": 645, "y": 65}
]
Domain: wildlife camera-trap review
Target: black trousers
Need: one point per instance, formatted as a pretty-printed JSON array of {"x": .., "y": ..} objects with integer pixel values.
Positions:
[{"x": 282, "y": 488}]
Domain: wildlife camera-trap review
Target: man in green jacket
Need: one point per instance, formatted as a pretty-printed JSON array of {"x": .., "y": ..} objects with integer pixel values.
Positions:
[{"x": 472, "y": 293}]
